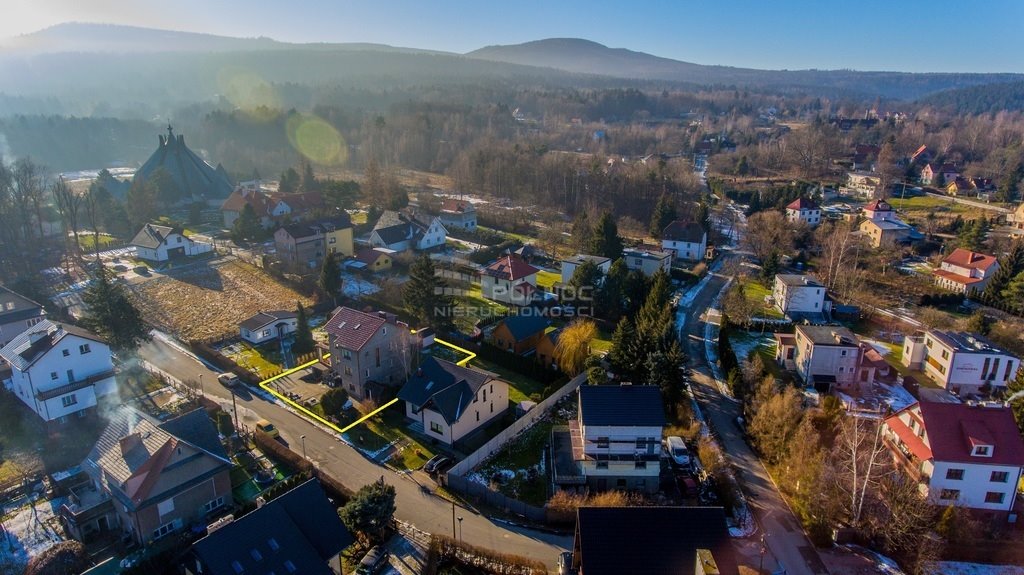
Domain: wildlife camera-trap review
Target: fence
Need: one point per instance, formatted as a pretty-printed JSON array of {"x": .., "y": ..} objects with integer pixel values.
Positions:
[
  {"x": 189, "y": 388},
  {"x": 484, "y": 494}
]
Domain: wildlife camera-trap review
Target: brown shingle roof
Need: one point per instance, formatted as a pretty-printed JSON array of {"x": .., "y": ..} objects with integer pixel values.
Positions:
[{"x": 352, "y": 329}]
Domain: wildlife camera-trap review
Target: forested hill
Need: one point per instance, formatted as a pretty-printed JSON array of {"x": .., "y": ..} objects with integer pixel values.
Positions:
[
  {"x": 985, "y": 99},
  {"x": 586, "y": 57}
]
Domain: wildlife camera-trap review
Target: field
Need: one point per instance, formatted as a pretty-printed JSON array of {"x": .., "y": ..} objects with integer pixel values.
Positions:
[
  {"x": 927, "y": 204},
  {"x": 755, "y": 293},
  {"x": 207, "y": 303}
]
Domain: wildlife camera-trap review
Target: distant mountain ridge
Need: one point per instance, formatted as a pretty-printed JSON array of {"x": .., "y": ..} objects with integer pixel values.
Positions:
[{"x": 65, "y": 48}]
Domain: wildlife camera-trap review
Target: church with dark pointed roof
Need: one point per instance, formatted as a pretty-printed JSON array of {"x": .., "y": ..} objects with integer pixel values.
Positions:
[{"x": 192, "y": 175}]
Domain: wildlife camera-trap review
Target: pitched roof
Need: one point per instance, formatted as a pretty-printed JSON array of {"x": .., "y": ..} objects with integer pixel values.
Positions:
[
  {"x": 298, "y": 532},
  {"x": 369, "y": 256},
  {"x": 352, "y": 329},
  {"x": 393, "y": 227},
  {"x": 195, "y": 427},
  {"x": 457, "y": 206},
  {"x": 241, "y": 197},
  {"x": 953, "y": 429},
  {"x": 16, "y": 307},
  {"x": 266, "y": 318},
  {"x": 523, "y": 326},
  {"x": 190, "y": 173},
  {"x": 684, "y": 231},
  {"x": 443, "y": 386},
  {"x": 661, "y": 541},
  {"x": 878, "y": 206},
  {"x": 21, "y": 352},
  {"x": 969, "y": 259},
  {"x": 622, "y": 405},
  {"x": 957, "y": 278},
  {"x": 299, "y": 230},
  {"x": 391, "y": 235},
  {"x": 509, "y": 267},
  {"x": 802, "y": 204},
  {"x": 298, "y": 202},
  {"x": 152, "y": 235}
]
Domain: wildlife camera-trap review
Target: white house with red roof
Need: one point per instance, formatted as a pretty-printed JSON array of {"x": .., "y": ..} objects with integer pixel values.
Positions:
[
  {"x": 966, "y": 271},
  {"x": 509, "y": 280},
  {"x": 458, "y": 214},
  {"x": 804, "y": 210},
  {"x": 370, "y": 352},
  {"x": 879, "y": 210},
  {"x": 959, "y": 454},
  {"x": 270, "y": 207},
  {"x": 961, "y": 362}
]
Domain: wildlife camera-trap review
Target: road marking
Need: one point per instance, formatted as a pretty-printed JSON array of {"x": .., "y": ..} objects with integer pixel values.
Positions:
[{"x": 265, "y": 385}]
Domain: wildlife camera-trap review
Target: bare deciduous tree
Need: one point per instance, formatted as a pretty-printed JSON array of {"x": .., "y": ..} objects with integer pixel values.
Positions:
[
  {"x": 859, "y": 463},
  {"x": 767, "y": 234}
]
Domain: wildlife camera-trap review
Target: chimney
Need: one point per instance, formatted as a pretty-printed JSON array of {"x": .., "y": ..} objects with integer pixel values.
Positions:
[
  {"x": 419, "y": 372},
  {"x": 130, "y": 442}
]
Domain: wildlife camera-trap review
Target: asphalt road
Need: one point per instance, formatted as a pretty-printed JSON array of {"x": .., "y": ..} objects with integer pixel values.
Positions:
[
  {"x": 783, "y": 535},
  {"x": 426, "y": 511}
]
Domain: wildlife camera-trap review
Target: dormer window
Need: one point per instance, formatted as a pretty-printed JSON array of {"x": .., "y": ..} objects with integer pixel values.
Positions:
[{"x": 982, "y": 451}]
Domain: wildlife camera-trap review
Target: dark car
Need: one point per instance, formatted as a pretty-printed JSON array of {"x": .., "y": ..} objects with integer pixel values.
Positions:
[
  {"x": 565, "y": 563},
  {"x": 373, "y": 561},
  {"x": 436, "y": 463}
]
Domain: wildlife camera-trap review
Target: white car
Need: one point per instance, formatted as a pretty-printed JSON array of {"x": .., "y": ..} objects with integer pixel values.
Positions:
[
  {"x": 677, "y": 450},
  {"x": 228, "y": 379}
]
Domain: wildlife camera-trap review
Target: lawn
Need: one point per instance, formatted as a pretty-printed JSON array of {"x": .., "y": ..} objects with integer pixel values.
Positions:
[
  {"x": 520, "y": 386},
  {"x": 520, "y": 464},
  {"x": 385, "y": 428},
  {"x": 547, "y": 280},
  {"x": 472, "y": 306},
  {"x": 25, "y": 443},
  {"x": 927, "y": 204},
  {"x": 260, "y": 359},
  {"x": 895, "y": 360},
  {"x": 602, "y": 343},
  {"x": 87, "y": 241},
  {"x": 755, "y": 293}
]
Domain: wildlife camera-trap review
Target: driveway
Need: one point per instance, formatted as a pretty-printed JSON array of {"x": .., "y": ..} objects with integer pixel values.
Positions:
[{"x": 426, "y": 511}]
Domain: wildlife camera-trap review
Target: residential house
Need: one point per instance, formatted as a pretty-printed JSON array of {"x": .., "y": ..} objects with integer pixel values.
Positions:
[
  {"x": 297, "y": 532},
  {"x": 17, "y": 313},
  {"x": 268, "y": 325},
  {"x": 960, "y": 187},
  {"x": 660, "y": 541},
  {"x": 886, "y": 232},
  {"x": 878, "y": 210},
  {"x": 459, "y": 214},
  {"x": 798, "y": 294},
  {"x": 408, "y": 230},
  {"x": 271, "y": 208},
  {"x": 804, "y": 210},
  {"x": 966, "y": 271},
  {"x": 824, "y": 357},
  {"x": 157, "y": 243},
  {"x": 961, "y": 362},
  {"x": 959, "y": 454},
  {"x": 932, "y": 174},
  {"x": 647, "y": 261},
  {"x": 685, "y": 240},
  {"x": 304, "y": 245},
  {"x": 1018, "y": 218},
  {"x": 569, "y": 265},
  {"x": 370, "y": 352},
  {"x": 861, "y": 184},
  {"x": 864, "y": 157},
  {"x": 615, "y": 438},
  {"x": 150, "y": 479},
  {"x": 59, "y": 370},
  {"x": 374, "y": 259},
  {"x": 450, "y": 401},
  {"x": 519, "y": 334},
  {"x": 509, "y": 279},
  {"x": 546, "y": 348}
]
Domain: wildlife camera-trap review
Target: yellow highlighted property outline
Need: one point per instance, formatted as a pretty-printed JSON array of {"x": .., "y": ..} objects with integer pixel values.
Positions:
[{"x": 265, "y": 385}]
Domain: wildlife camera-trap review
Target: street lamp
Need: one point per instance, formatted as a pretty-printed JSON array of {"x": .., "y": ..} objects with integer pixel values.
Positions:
[
  {"x": 202, "y": 391},
  {"x": 303, "y": 438},
  {"x": 764, "y": 549},
  {"x": 460, "y": 529}
]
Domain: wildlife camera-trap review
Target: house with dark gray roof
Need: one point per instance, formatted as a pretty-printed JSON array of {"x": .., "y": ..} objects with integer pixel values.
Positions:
[
  {"x": 268, "y": 325},
  {"x": 685, "y": 240},
  {"x": 370, "y": 353},
  {"x": 304, "y": 245},
  {"x": 615, "y": 440},
  {"x": 653, "y": 541},
  {"x": 408, "y": 230},
  {"x": 297, "y": 533},
  {"x": 148, "y": 479},
  {"x": 450, "y": 402},
  {"x": 59, "y": 370},
  {"x": 17, "y": 313},
  {"x": 158, "y": 243}
]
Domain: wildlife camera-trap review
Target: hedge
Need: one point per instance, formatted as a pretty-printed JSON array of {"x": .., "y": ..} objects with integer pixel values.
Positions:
[
  {"x": 514, "y": 362},
  {"x": 445, "y": 549},
  {"x": 334, "y": 489}
]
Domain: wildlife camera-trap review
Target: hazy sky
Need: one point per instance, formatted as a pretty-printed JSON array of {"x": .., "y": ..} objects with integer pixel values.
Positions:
[{"x": 906, "y": 35}]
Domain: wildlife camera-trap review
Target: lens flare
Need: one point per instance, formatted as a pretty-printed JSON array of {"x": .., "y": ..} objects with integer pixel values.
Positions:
[
  {"x": 317, "y": 140},
  {"x": 249, "y": 92}
]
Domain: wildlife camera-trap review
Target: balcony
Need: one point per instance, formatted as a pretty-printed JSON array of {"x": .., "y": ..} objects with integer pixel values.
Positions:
[
  {"x": 74, "y": 386},
  {"x": 565, "y": 467},
  {"x": 86, "y": 502},
  {"x": 910, "y": 464}
]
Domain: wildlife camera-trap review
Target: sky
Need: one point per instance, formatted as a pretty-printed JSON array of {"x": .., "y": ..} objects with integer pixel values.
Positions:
[{"x": 903, "y": 35}]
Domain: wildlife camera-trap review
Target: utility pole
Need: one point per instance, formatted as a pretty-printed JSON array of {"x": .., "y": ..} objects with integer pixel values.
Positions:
[
  {"x": 453, "y": 520},
  {"x": 234, "y": 408}
]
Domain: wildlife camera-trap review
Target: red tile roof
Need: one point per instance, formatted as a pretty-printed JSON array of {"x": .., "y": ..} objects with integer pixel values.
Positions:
[
  {"x": 962, "y": 280},
  {"x": 878, "y": 206},
  {"x": 969, "y": 259},
  {"x": 953, "y": 429},
  {"x": 352, "y": 329},
  {"x": 802, "y": 204},
  {"x": 908, "y": 437},
  {"x": 460, "y": 206},
  {"x": 510, "y": 267}
]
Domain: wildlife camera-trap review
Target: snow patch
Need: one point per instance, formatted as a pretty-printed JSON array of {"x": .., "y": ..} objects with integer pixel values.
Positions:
[{"x": 960, "y": 568}]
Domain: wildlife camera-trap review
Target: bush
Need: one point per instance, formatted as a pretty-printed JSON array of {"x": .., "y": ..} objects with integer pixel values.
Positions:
[
  {"x": 276, "y": 450},
  {"x": 333, "y": 401},
  {"x": 445, "y": 550},
  {"x": 562, "y": 506},
  {"x": 64, "y": 558},
  {"x": 518, "y": 364}
]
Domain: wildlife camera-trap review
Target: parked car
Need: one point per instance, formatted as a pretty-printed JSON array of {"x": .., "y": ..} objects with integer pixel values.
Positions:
[
  {"x": 687, "y": 486},
  {"x": 677, "y": 450},
  {"x": 436, "y": 462},
  {"x": 228, "y": 379},
  {"x": 268, "y": 428},
  {"x": 565, "y": 563},
  {"x": 374, "y": 560}
]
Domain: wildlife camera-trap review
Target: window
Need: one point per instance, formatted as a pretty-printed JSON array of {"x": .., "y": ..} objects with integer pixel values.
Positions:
[
  {"x": 68, "y": 400},
  {"x": 290, "y": 567},
  {"x": 53, "y": 375},
  {"x": 945, "y": 354},
  {"x": 641, "y": 442},
  {"x": 994, "y": 497},
  {"x": 348, "y": 370},
  {"x": 485, "y": 395},
  {"x": 346, "y": 354},
  {"x": 640, "y": 465},
  {"x": 165, "y": 507},
  {"x": 843, "y": 353},
  {"x": 83, "y": 349},
  {"x": 949, "y": 494},
  {"x": 436, "y": 428},
  {"x": 602, "y": 442},
  {"x": 256, "y": 555},
  {"x": 273, "y": 544},
  {"x": 71, "y": 375},
  {"x": 65, "y": 352},
  {"x": 602, "y": 465},
  {"x": 981, "y": 450},
  {"x": 214, "y": 504},
  {"x": 999, "y": 477},
  {"x": 333, "y": 240},
  {"x": 478, "y": 416},
  {"x": 166, "y": 528},
  {"x": 955, "y": 474}
]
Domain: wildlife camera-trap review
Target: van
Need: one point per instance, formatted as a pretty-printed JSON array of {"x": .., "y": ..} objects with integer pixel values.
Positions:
[
  {"x": 373, "y": 561},
  {"x": 268, "y": 428},
  {"x": 677, "y": 450}
]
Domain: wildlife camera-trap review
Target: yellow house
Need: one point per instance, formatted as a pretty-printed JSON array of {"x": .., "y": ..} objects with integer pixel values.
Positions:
[
  {"x": 885, "y": 232},
  {"x": 375, "y": 259},
  {"x": 339, "y": 240}
]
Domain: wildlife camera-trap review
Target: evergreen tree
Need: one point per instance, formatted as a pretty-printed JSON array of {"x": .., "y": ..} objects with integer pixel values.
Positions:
[
  {"x": 625, "y": 355},
  {"x": 703, "y": 216},
  {"x": 141, "y": 204},
  {"x": 634, "y": 291},
  {"x": 303, "y": 343},
  {"x": 290, "y": 181},
  {"x": 610, "y": 298},
  {"x": 663, "y": 371},
  {"x": 1013, "y": 295},
  {"x": 1017, "y": 404},
  {"x": 972, "y": 235},
  {"x": 111, "y": 314},
  {"x": 309, "y": 181},
  {"x": 330, "y": 277},
  {"x": 1009, "y": 266},
  {"x": 368, "y": 514},
  {"x": 582, "y": 232},
  {"x": 663, "y": 215},
  {"x": 425, "y": 294},
  {"x": 247, "y": 226},
  {"x": 606, "y": 241},
  {"x": 585, "y": 280}
]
